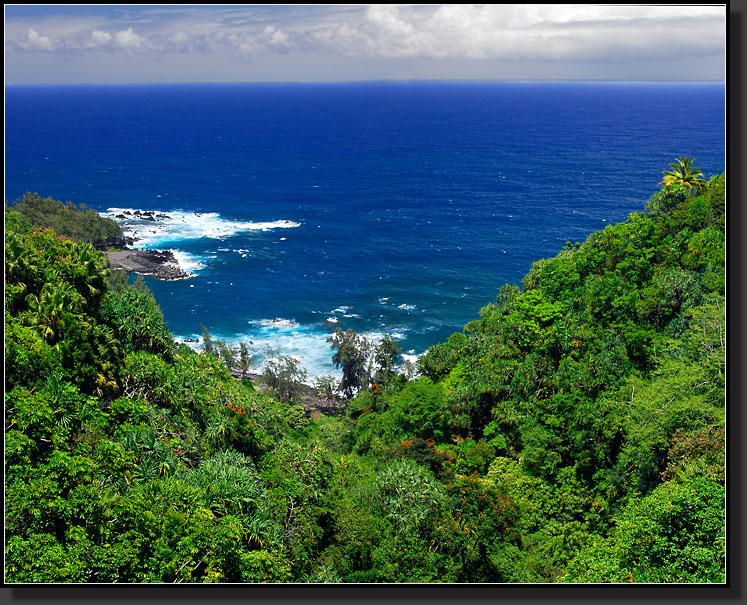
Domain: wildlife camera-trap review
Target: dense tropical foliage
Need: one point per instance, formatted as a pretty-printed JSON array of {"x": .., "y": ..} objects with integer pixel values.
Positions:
[
  {"x": 80, "y": 224},
  {"x": 573, "y": 432}
]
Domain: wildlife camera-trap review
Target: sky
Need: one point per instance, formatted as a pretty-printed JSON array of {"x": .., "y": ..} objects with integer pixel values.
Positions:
[{"x": 51, "y": 44}]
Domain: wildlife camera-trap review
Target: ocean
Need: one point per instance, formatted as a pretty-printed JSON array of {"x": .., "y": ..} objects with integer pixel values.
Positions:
[{"x": 394, "y": 208}]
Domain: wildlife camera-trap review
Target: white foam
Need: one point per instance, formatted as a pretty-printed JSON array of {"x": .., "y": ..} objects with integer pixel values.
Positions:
[
  {"x": 172, "y": 226},
  {"x": 277, "y": 324},
  {"x": 406, "y": 307},
  {"x": 342, "y": 309},
  {"x": 187, "y": 262},
  {"x": 306, "y": 343}
]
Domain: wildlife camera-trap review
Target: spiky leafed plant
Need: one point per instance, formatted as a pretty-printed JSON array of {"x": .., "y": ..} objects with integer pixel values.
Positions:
[
  {"x": 91, "y": 273},
  {"x": 52, "y": 307},
  {"x": 684, "y": 173},
  {"x": 230, "y": 484}
]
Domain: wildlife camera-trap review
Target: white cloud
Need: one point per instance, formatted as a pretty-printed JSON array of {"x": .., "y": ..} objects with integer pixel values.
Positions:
[
  {"x": 180, "y": 37},
  {"x": 275, "y": 37},
  {"x": 505, "y": 32},
  {"x": 101, "y": 38},
  {"x": 527, "y": 32},
  {"x": 589, "y": 35},
  {"x": 127, "y": 38},
  {"x": 35, "y": 41},
  {"x": 389, "y": 21}
]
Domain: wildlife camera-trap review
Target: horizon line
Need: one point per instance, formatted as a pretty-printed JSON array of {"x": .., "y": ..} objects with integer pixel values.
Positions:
[{"x": 372, "y": 81}]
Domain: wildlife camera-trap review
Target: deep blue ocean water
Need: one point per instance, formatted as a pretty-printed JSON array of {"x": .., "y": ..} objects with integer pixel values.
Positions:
[{"x": 395, "y": 208}]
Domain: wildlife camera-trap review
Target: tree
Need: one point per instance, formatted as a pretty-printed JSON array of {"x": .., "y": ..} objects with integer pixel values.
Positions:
[
  {"x": 683, "y": 173},
  {"x": 245, "y": 362},
  {"x": 386, "y": 356},
  {"x": 227, "y": 354},
  {"x": 88, "y": 271},
  {"x": 351, "y": 356},
  {"x": 285, "y": 377},
  {"x": 676, "y": 534},
  {"x": 326, "y": 387},
  {"x": 52, "y": 307},
  {"x": 419, "y": 409},
  {"x": 207, "y": 342}
]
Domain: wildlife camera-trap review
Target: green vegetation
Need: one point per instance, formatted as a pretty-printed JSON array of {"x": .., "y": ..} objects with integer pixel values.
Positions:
[
  {"x": 79, "y": 224},
  {"x": 363, "y": 364},
  {"x": 573, "y": 432},
  {"x": 285, "y": 376},
  {"x": 683, "y": 173}
]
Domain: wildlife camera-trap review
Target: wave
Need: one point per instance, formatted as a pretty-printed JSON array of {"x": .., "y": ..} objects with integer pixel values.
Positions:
[
  {"x": 267, "y": 338},
  {"x": 342, "y": 311},
  {"x": 157, "y": 229},
  {"x": 188, "y": 262},
  {"x": 307, "y": 343}
]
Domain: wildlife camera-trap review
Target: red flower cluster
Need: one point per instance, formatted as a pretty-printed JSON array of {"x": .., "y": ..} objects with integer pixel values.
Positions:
[
  {"x": 242, "y": 417},
  {"x": 366, "y": 411},
  {"x": 425, "y": 452},
  {"x": 477, "y": 516}
]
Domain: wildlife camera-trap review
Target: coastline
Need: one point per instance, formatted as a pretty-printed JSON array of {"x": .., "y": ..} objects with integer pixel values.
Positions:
[{"x": 161, "y": 264}]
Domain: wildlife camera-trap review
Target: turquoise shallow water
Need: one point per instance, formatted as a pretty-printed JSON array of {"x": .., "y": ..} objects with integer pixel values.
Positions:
[{"x": 394, "y": 208}]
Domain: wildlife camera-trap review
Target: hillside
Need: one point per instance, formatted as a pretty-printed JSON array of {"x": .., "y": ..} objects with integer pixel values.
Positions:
[
  {"x": 80, "y": 224},
  {"x": 573, "y": 432}
]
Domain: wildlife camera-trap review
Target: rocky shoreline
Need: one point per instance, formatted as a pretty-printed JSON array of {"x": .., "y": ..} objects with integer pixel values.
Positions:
[{"x": 161, "y": 264}]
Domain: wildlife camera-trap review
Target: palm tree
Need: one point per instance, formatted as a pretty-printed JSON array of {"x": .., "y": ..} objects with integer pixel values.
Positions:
[
  {"x": 51, "y": 308},
  {"x": 92, "y": 272},
  {"x": 683, "y": 173}
]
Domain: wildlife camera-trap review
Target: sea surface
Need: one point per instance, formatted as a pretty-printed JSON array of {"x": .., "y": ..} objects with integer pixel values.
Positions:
[{"x": 390, "y": 208}]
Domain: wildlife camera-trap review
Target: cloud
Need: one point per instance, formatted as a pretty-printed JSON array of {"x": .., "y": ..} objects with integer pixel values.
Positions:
[
  {"x": 275, "y": 37},
  {"x": 445, "y": 34},
  {"x": 35, "y": 41},
  {"x": 101, "y": 38},
  {"x": 127, "y": 38},
  {"x": 179, "y": 38},
  {"x": 506, "y": 32},
  {"x": 528, "y": 32}
]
